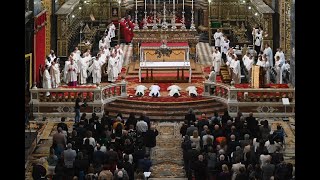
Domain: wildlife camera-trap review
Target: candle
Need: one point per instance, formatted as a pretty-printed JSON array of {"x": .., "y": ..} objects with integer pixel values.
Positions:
[
  {"x": 145, "y": 5},
  {"x": 192, "y": 4},
  {"x": 173, "y": 4},
  {"x": 154, "y": 5},
  {"x": 136, "y": 4},
  {"x": 183, "y": 5},
  {"x": 169, "y": 1}
]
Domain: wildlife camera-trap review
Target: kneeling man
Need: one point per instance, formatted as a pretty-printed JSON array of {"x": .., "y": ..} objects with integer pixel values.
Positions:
[
  {"x": 154, "y": 90},
  {"x": 192, "y": 91},
  {"x": 174, "y": 90},
  {"x": 140, "y": 90}
]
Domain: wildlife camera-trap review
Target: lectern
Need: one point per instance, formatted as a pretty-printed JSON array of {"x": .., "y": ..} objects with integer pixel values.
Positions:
[{"x": 257, "y": 77}]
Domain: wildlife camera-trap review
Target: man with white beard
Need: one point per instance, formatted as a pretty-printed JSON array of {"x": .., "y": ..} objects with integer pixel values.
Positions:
[
  {"x": 216, "y": 60},
  {"x": 55, "y": 73},
  {"x": 192, "y": 91},
  {"x": 72, "y": 69},
  {"x": 268, "y": 52},
  {"x": 112, "y": 29},
  {"x": 217, "y": 38},
  {"x": 174, "y": 90},
  {"x": 154, "y": 90},
  {"x": 112, "y": 68},
  {"x": 140, "y": 90},
  {"x": 83, "y": 64},
  {"x": 95, "y": 68},
  {"x": 46, "y": 82}
]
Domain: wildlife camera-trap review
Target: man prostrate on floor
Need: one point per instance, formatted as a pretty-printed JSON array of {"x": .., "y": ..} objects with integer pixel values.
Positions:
[
  {"x": 154, "y": 90},
  {"x": 140, "y": 90},
  {"x": 192, "y": 91},
  {"x": 174, "y": 90}
]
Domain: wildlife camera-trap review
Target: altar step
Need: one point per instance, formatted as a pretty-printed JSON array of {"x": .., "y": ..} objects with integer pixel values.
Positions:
[{"x": 164, "y": 111}]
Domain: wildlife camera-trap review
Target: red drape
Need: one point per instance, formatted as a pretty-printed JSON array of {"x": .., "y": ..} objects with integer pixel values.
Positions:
[{"x": 39, "y": 43}]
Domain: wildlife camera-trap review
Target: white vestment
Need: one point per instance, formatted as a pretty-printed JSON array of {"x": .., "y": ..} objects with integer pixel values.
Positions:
[
  {"x": 120, "y": 55},
  {"x": 83, "y": 64},
  {"x": 266, "y": 67},
  {"x": 192, "y": 89},
  {"x": 216, "y": 61},
  {"x": 76, "y": 57},
  {"x": 65, "y": 71},
  {"x": 55, "y": 75},
  {"x": 95, "y": 68},
  {"x": 107, "y": 41},
  {"x": 283, "y": 67},
  {"x": 154, "y": 89},
  {"x": 217, "y": 38},
  {"x": 248, "y": 64},
  {"x": 277, "y": 67},
  {"x": 46, "y": 81},
  {"x": 236, "y": 72},
  {"x": 257, "y": 39},
  {"x": 112, "y": 69},
  {"x": 212, "y": 76},
  {"x": 281, "y": 55},
  {"x": 112, "y": 29},
  {"x": 102, "y": 44},
  {"x": 52, "y": 57},
  {"x": 269, "y": 54},
  {"x": 72, "y": 70},
  {"x": 140, "y": 89},
  {"x": 225, "y": 46},
  {"x": 174, "y": 89}
]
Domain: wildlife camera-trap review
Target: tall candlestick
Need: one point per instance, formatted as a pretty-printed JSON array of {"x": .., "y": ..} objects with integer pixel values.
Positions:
[
  {"x": 145, "y": 5},
  {"x": 173, "y": 4},
  {"x": 154, "y": 5},
  {"x": 183, "y": 5},
  {"x": 136, "y": 4},
  {"x": 192, "y": 4}
]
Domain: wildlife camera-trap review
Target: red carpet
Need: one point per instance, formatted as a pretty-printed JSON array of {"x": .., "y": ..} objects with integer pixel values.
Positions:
[
  {"x": 193, "y": 80},
  {"x": 147, "y": 98},
  {"x": 143, "y": 75}
]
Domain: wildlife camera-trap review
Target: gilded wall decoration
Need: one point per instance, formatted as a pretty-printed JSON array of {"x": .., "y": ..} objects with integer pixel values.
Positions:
[{"x": 285, "y": 26}]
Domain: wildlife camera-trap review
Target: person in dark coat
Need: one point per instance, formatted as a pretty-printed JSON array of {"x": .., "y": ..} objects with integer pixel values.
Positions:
[
  {"x": 150, "y": 139},
  {"x": 200, "y": 168}
]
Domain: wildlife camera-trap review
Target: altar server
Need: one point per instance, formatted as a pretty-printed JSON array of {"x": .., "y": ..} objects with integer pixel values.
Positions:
[
  {"x": 95, "y": 69},
  {"x": 268, "y": 52},
  {"x": 112, "y": 29},
  {"x": 46, "y": 82},
  {"x": 217, "y": 38},
  {"x": 55, "y": 73},
  {"x": 112, "y": 68},
  {"x": 83, "y": 65},
  {"x": 154, "y": 90},
  {"x": 174, "y": 90},
  {"x": 281, "y": 55},
  {"x": 216, "y": 60},
  {"x": 140, "y": 90}
]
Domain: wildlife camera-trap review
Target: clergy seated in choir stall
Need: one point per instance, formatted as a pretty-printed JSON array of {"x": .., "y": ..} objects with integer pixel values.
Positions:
[
  {"x": 174, "y": 90},
  {"x": 154, "y": 90},
  {"x": 140, "y": 90},
  {"x": 192, "y": 91}
]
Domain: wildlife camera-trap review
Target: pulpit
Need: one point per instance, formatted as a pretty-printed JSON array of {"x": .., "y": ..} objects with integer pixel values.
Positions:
[{"x": 257, "y": 78}]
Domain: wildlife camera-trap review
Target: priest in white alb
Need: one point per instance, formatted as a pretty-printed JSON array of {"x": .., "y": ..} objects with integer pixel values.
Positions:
[
  {"x": 112, "y": 29},
  {"x": 83, "y": 65},
  {"x": 65, "y": 70},
  {"x": 216, "y": 60},
  {"x": 268, "y": 52},
  {"x": 154, "y": 90},
  {"x": 95, "y": 68},
  {"x": 112, "y": 68},
  {"x": 236, "y": 71},
  {"x": 72, "y": 69},
  {"x": 140, "y": 90},
  {"x": 119, "y": 52},
  {"x": 192, "y": 91},
  {"x": 174, "y": 90},
  {"x": 217, "y": 38},
  {"x": 281, "y": 55},
  {"x": 46, "y": 81},
  {"x": 55, "y": 73}
]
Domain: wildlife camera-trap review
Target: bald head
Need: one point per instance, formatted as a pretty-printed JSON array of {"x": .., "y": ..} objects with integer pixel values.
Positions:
[{"x": 233, "y": 137}]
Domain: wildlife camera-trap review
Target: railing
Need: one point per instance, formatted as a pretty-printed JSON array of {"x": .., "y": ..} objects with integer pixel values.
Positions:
[
  {"x": 265, "y": 102},
  {"x": 60, "y": 102}
]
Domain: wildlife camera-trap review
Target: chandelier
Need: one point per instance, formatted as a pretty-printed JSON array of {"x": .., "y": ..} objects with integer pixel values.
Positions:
[{"x": 163, "y": 50}]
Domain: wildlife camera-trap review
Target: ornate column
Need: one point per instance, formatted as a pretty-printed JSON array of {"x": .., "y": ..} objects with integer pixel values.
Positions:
[
  {"x": 292, "y": 40},
  {"x": 285, "y": 27},
  {"x": 48, "y": 6}
]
